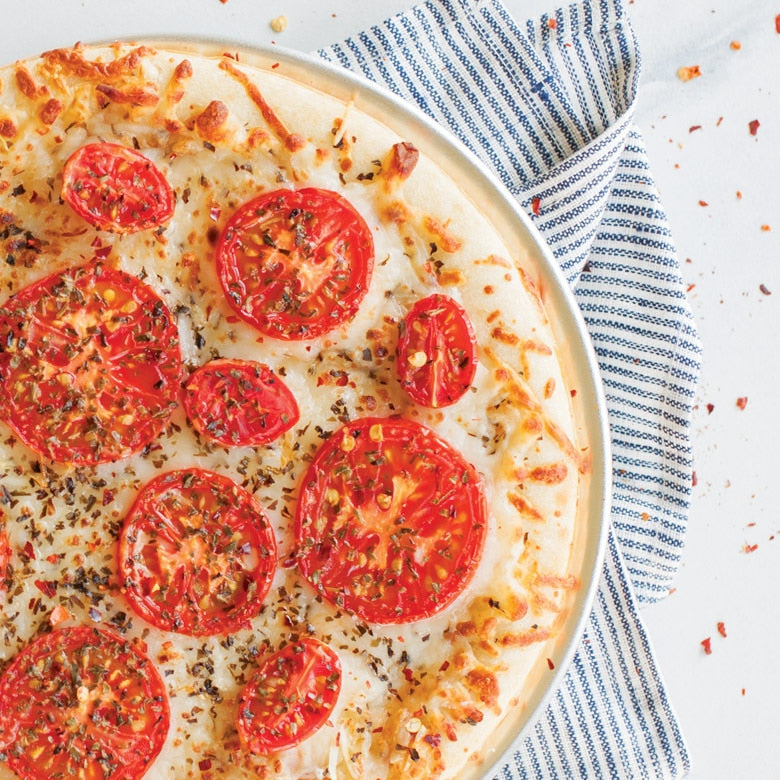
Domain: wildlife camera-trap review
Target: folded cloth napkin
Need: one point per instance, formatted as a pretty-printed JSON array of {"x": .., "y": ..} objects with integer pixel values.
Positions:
[{"x": 548, "y": 106}]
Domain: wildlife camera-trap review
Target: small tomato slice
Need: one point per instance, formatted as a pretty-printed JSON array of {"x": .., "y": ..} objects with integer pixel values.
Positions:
[
  {"x": 290, "y": 695},
  {"x": 116, "y": 188},
  {"x": 296, "y": 263},
  {"x": 196, "y": 554},
  {"x": 90, "y": 366},
  {"x": 82, "y": 702},
  {"x": 390, "y": 521},
  {"x": 239, "y": 402},
  {"x": 436, "y": 353}
]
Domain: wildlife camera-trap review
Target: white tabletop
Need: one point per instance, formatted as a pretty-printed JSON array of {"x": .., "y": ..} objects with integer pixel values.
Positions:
[{"x": 720, "y": 186}]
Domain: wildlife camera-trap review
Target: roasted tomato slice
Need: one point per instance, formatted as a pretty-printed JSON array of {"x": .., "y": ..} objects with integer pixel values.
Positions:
[
  {"x": 82, "y": 702},
  {"x": 116, "y": 188},
  {"x": 90, "y": 367},
  {"x": 436, "y": 354},
  {"x": 390, "y": 521},
  {"x": 296, "y": 263},
  {"x": 290, "y": 695},
  {"x": 196, "y": 554},
  {"x": 239, "y": 402}
]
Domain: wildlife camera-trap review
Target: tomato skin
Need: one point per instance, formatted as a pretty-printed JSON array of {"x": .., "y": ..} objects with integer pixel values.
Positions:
[
  {"x": 62, "y": 710},
  {"x": 295, "y": 264},
  {"x": 390, "y": 522},
  {"x": 436, "y": 352},
  {"x": 116, "y": 188},
  {"x": 289, "y": 697},
  {"x": 196, "y": 554},
  {"x": 239, "y": 403},
  {"x": 90, "y": 366}
]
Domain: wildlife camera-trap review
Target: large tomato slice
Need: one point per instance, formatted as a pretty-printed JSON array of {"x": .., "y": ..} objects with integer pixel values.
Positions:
[
  {"x": 436, "y": 354},
  {"x": 196, "y": 553},
  {"x": 90, "y": 365},
  {"x": 390, "y": 521},
  {"x": 296, "y": 263},
  {"x": 290, "y": 695},
  {"x": 116, "y": 188},
  {"x": 82, "y": 702},
  {"x": 239, "y": 402}
]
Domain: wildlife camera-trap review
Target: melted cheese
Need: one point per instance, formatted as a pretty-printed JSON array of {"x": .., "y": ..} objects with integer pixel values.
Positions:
[{"x": 418, "y": 700}]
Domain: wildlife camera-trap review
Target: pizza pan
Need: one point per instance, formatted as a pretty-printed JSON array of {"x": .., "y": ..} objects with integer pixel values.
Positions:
[{"x": 578, "y": 358}]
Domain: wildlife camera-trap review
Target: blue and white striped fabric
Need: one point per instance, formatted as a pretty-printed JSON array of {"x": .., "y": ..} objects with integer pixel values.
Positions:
[{"x": 548, "y": 106}]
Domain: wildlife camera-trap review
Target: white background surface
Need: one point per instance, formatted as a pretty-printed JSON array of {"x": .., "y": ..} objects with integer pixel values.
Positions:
[{"x": 727, "y": 701}]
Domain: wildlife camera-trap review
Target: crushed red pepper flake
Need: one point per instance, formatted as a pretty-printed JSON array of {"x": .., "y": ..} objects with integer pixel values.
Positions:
[
  {"x": 552, "y": 23},
  {"x": 777, "y": 23},
  {"x": 703, "y": 203},
  {"x": 739, "y": 194},
  {"x": 550, "y": 663},
  {"x": 742, "y": 402},
  {"x": 735, "y": 45},
  {"x": 722, "y": 628},
  {"x": 707, "y": 645},
  {"x": 710, "y": 408},
  {"x": 749, "y": 548},
  {"x": 694, "y": 128},
  {"x": 536, "y": 206},
  {"x": 688, "y": 72},
  {"x": 694, "y": 482},
  {"x": 753, "y": 126},
  {"x": 764, "y": 289},
  {"x": 766, "y": 228}
]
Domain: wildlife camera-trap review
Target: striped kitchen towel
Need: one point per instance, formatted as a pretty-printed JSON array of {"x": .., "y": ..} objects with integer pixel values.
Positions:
[{"x": 548, "y": 106}]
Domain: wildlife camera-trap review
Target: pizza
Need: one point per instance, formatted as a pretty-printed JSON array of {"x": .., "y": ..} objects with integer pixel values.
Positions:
[{"x": 289, "y": 472}]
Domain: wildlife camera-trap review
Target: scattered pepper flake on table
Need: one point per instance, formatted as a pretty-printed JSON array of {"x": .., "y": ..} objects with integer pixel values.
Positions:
[
  {"x": 279, "y": 23},
  {"x": 707, "y": 645},
  {"x": 710, "y": 408},
  {"x": 749, "y": 548},
  {"x": 753, "y": 126},
  {"x": 722, "y": 628},
  {"x": 693, "y": 128},
  {"x": 777, "y": 23},
  {"x": 735, "y": 45},
  {"x": 688, "y": 72},
  {"x": 764, "y": 289},
  {"x": 742, "y": 402},
  {"x": 766, "y": 228}
]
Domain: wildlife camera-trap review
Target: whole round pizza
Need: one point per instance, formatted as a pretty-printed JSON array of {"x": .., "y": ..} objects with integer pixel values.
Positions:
[{"x": 289, "y": 472}]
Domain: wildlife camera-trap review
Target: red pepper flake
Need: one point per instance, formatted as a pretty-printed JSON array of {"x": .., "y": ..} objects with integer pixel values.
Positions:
[
  {"x": 722, "y": 628},
  {"x": 707, "y": 645},
  {"x": 742, "y": 402},
  {"x": 735, "y": 45},
  {"x": 710, "y": 408},
  {"x": 29, "y": 550},
  {"x": 552, "y": 23},
  {"x": 47, "y": 587},
  {"x": 743, "y": 691},
  {"x": 777, "y": 23},
  {"x": 764, "y": 289},
  {"x": 434, "y": 740},
  {"x": 690, "y": 287},
  {"x": 688, "y": 72},
  {"x": 550, "y": 663},
  {"x": 719, "y": 122},
  {"x": 703, "y": 203},
  {"x": 749, "y": 548},
  {"x": 694, "y": 482},
  {"x": 205, "y": 764},
  {"x": 694, "y": 128},
  {"x": 536, "y": 206},
  {"x": 739, "y": 194},
  {"x": 753, "y": 126},
  {"x": 766, "y": 228}
]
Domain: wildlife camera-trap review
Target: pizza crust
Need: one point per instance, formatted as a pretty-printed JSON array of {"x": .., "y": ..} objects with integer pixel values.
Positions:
[{"x": 418, "y": 700}]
